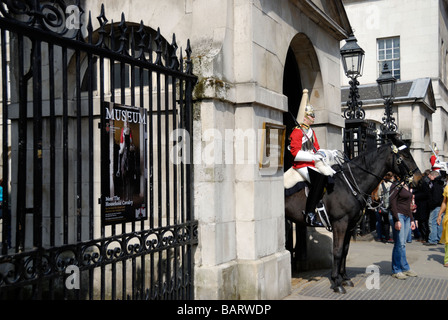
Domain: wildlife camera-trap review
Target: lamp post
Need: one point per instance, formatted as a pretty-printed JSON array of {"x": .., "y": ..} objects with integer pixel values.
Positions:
[
  {"x": 357, "y": 132},
  {"x": 353, "y": 63},
  {"x": 386, "y": 85}
]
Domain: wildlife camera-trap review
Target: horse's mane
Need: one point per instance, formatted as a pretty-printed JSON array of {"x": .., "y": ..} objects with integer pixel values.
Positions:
[{"x": 366, "y": 157}]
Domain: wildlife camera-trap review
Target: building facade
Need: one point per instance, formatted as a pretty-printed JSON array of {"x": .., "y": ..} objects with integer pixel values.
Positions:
[
  {"x": 411, "y": 36},
  {"x": 252, "y": 60}
]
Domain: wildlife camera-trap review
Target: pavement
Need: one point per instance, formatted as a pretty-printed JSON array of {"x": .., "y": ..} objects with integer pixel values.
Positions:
[{"x": 369, "y": 266}]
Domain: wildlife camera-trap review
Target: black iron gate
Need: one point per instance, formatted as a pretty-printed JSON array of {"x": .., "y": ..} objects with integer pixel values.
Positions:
[{"x": 57, "y": 74}]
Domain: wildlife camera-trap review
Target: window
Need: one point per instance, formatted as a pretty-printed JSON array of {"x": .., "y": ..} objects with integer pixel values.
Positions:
[
  {"x": 389, "y": 52},
  {"x": 85, "y": 80}
]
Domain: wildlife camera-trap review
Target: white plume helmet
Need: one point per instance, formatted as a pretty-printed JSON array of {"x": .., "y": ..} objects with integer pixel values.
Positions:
[
  {"x": 434, "y": 146},
  {"x": 305, "y": 109}
]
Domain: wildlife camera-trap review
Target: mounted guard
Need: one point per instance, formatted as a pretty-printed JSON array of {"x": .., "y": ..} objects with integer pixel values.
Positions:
[
  {"x": 436, "y": 163},
  {"x": 354, "y": 183},
  {"x": 310, "y": 163}
]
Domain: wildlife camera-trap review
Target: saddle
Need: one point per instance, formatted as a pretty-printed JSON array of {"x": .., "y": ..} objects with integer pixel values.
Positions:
[
  {"x": 291, "y": 177},
  {"x": 294, "y": 182}
]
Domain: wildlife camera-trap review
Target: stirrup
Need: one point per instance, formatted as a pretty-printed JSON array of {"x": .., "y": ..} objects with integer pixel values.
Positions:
[
  {"x": 323, "y": 215},
  {"x": 311, "y": 220}
]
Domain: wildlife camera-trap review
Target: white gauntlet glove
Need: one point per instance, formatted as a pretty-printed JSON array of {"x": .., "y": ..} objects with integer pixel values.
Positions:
[{"x": 307, "y": 156}]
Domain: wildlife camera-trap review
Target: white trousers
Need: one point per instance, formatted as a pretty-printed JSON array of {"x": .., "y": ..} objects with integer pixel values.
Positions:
[{"x": 305, "y": 174}]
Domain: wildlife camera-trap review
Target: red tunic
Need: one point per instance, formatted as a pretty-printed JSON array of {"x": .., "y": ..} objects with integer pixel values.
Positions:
[
  {"x": 299, "y": 142},
  {"x": 434, "y": 165}
]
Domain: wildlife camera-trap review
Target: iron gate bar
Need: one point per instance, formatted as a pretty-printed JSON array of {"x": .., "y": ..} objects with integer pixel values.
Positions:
[
  {"x": 5, "y": 173},
  {"x": 52, "y": 145},
  {"x": 65, "y": 143}
]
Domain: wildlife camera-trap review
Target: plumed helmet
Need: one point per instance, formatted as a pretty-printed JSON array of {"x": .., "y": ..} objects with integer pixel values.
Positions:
[
  {"x": 309, "y": 111},
  {"x": 305, "y": 109},
  {"x": 434, "y": 147}
]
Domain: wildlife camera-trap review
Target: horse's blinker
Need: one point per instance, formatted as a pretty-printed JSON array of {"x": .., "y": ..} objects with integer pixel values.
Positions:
[{"x": 399, "y": 161}]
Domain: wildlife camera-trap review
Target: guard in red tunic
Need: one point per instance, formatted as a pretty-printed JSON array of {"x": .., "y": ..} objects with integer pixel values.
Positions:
[
  {"x": 435, "y": 164},
  {"x": 304, "y": 147}
]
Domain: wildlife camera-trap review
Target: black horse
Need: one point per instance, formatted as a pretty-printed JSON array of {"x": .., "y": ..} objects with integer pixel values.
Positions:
[{"x": 354, "y": 181}]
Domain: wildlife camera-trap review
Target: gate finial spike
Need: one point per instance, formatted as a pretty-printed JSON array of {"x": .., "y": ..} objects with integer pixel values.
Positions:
[
  {"x": 141, "y": 31},
  {"x": 124, "y": 36},
  {"x": 189, "y": 69},
  {"x": 174, "y": 61},
  {"x": 90, "y": 28},
  {"x": 102, "y": 31},
  {"x": 181, "y": 60},
  {"x": 158, "y": 41}
]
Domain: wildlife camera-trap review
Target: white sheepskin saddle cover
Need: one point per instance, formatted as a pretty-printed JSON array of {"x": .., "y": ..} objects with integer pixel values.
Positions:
[{"x": 291, "y": 177}]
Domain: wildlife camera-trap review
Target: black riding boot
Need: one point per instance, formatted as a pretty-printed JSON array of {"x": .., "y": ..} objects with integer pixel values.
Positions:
[{"x": 318, "y": 182}]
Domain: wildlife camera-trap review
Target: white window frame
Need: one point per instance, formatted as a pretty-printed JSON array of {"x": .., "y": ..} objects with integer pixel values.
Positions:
[{"x": 388, "y": 50}]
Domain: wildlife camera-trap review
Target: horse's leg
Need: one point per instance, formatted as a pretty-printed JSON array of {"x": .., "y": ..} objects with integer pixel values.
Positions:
[
  {"x": 346, "y": 281},
  {"x": 339, "y": 234}
]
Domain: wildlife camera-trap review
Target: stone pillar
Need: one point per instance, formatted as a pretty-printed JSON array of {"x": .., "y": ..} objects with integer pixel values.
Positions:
[{"x": 263, "y": 263}]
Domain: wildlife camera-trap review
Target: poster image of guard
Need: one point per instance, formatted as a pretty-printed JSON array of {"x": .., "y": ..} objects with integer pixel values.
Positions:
[{"x": 124, "y": 178}]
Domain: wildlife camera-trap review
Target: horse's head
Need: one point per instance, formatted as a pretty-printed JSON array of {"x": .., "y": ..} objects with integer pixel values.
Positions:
[{"x": 402, "y": 163}]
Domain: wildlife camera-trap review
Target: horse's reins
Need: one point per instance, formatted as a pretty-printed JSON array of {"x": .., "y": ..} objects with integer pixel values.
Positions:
[
  {"x": 399, "y": 161},
  {"x": 354, "y": 185}
]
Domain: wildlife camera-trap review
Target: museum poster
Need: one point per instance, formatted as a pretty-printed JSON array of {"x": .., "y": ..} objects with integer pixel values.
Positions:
[{"x": 123, "y": 172}]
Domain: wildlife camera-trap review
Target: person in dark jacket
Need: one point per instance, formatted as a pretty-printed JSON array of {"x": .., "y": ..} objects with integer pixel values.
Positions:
[
  {"x": 422, "y": 195},
  {"x": 403, "y": 221},
  {"x": 435, "y": 201}
]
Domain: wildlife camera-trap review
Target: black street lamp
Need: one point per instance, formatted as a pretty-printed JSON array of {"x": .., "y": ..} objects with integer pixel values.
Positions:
[
  {"x": 358, "y": 133},
  {"x": 386, "y": 85},
  {"x": 353, "y": 63}
]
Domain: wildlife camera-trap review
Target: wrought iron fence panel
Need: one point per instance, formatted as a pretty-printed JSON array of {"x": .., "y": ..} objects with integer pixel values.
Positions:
[{"x": 64, "y": 86}]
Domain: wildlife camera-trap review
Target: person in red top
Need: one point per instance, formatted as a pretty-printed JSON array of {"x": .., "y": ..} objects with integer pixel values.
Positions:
[
  {"x": 304, "y": 147},
  {"x": 434, "y": 161}
]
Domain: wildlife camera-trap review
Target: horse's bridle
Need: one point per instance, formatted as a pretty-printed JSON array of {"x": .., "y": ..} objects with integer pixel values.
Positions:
[{"x": 405, "y": 173}]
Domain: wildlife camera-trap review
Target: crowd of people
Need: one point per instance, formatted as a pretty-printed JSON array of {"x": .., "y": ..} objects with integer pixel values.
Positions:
[{"x": 406, "y": 213}]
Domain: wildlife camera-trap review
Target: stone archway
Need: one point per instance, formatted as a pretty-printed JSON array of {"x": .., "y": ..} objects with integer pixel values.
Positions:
[
  {"x": 309, "y": 68},
  {"x": 302, "y": 71}
]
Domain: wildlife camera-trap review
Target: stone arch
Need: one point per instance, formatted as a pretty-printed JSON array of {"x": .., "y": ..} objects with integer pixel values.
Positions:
[
  {"x": 309, "y": 68},
  {"x": 301, "y": 71}
]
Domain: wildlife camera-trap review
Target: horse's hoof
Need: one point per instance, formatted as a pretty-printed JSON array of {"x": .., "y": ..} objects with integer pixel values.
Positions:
[
  {"x": 339, "y": 289},
  {"x": 348, "y": 283}
]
